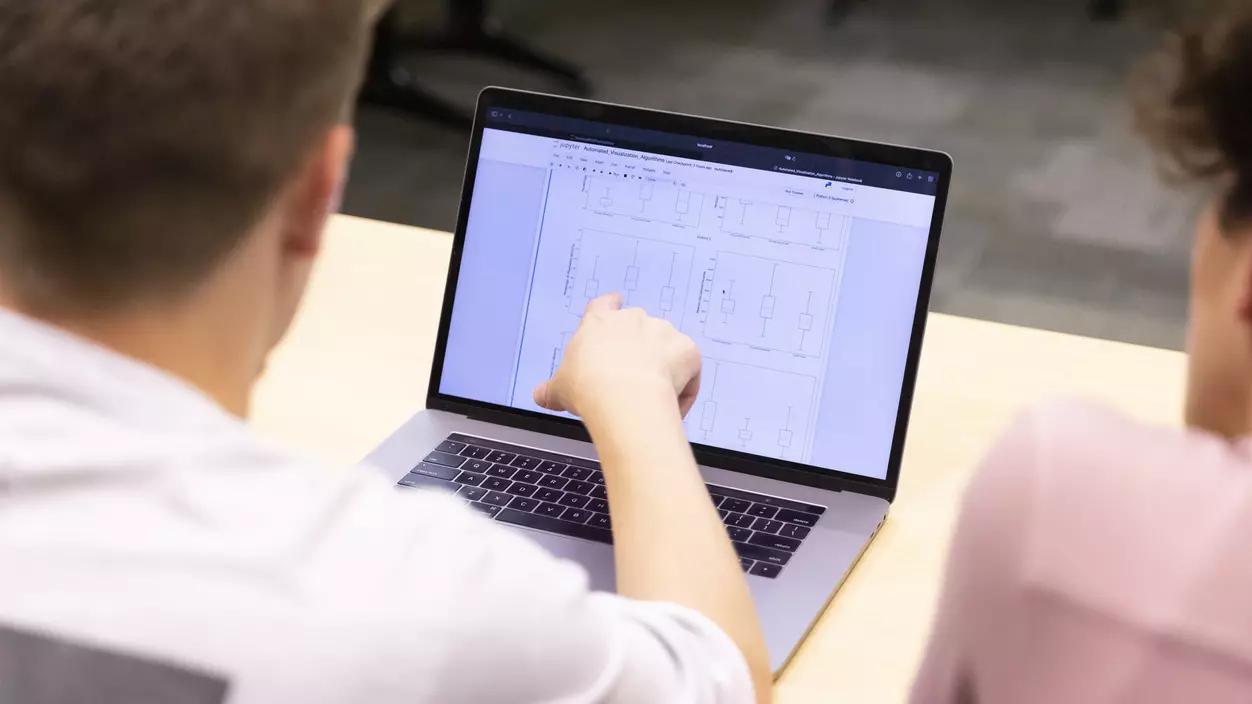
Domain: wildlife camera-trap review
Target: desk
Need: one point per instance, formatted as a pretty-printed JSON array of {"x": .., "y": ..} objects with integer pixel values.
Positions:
[{"x": 357, "y": 362}]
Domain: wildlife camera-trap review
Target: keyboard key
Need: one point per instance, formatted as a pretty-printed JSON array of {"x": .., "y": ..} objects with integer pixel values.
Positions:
[
  {"x": 501, "y": 457},
  {"x": 543, "y": 522},
  {"x": 471, "y": 493},
  {"x": 599, "y": 493},
  {"x": 470, "y": 478},
  {"x": 496, "y": 484},
  {"x": 479, "y": 466},
  {"x": 475, "y": 452},
  {"x": 550, "y": 467},
  {"x": 502, "y": 470},
  {"x": 496, "y": 498},
  {"x": 419, "y": 481},
  {"x": 528, "y": 476},
  {"x": 576, "y": 515},
  {"x": 598, "y": 505},
  {"x": 486, "y": 508},
  {"x": 550, "y": 510},
  {"x": 766, "y": 525},
  {"x": 745, "y": 564},
  {"x": 717, "y": 499},
  {"x": 437, "y": 471},
  {"x": 791, "y": 530},
  {"x": 600, "y": 520},
  {"x": 444, "y": 458},
  {"x": 522, "y": 503},
  {"x": 762, "y": 511},
  {"x": 548, "y": 495},
  {"x": 578, "y": 487},
  {"x": 775, "y": 541},
  {"x": 764, "y": 569},
  {"x": 739, "y": 535},
  {"x": 804, "y": 519},
  {"x": 553, "y": 482},
  {"x": 760, "y": 554},
  {"x": 574, "y": 500},
  {"x": 736, "y": 505},
  {"x": 525, "y": 463},
  {"x": 578, "y": 473},
  {"x": 596, "y": 478},
  {"x": 451, "y": 447},
  {"x": 739, "y": 520},
  {"x": 723, "y": 513},
  {"x": 520, "y": 489}
]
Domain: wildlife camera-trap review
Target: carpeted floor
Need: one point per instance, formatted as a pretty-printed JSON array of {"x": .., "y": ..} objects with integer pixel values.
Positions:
[{"x": 1057, "y": 219}]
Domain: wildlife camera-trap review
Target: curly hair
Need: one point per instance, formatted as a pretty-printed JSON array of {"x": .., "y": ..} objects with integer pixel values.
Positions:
[{"x": 1192, "y": 104}]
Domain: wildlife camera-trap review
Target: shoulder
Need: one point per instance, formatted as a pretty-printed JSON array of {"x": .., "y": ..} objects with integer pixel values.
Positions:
[
  {"x": 1107, "y": 510},
  {"x": 1080, "y": 454}
]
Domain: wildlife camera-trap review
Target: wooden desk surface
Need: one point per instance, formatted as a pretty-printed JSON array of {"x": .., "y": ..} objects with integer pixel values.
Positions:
[{"x": 356, "y": 366}]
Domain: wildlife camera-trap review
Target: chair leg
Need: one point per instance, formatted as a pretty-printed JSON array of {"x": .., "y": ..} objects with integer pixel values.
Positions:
[
  {"x": 471, "y": 30},
  {"x": 498, "y": 45},
  {"x": 398, "y": 92},
  {"x": 389, "y": 85}
]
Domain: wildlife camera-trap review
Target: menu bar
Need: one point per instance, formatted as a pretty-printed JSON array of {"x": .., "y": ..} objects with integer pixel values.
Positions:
[{"x": 833, "y": 169}]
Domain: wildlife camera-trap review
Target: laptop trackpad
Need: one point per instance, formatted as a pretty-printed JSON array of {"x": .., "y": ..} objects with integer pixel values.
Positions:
[{"x": 596, "y": 558}]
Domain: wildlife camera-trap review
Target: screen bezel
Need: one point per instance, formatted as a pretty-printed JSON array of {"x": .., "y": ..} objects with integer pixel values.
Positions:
[{"x": 904, "y": 157}]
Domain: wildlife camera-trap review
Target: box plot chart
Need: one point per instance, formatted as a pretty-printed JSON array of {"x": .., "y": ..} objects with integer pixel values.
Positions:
[
  {"x": 752, "y": 218},
  {"x": 753, "y": 409},
  {"x": 558, "y": 353},
  {"x": 663, "y": 201},
  {"x": 769, "y": 304},
  {"x": 649, "y": 274}
]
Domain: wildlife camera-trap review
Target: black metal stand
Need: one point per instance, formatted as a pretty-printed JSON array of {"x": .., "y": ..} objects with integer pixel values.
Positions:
[{"x": 388, "y": 84}]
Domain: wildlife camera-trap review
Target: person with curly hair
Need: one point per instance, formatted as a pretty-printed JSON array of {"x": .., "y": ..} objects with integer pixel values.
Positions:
[{"x": 1098, "y": 559}]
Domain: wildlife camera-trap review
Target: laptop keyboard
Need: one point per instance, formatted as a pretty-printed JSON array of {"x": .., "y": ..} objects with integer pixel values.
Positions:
[{"x": 565, "y": 495}]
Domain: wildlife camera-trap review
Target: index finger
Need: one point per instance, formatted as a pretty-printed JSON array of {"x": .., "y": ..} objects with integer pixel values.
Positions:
[{"x": 607, "y": 303}]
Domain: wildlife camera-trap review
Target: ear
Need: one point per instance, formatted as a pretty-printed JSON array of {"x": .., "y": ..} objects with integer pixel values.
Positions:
[
  {"x": 1244, "y": 282},
  {"x": 318, "y": 193}
]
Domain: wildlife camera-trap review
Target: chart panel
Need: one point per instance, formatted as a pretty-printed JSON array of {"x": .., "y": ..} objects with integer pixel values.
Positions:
[
  {"x": 753, "y": 218},
  {"x": 650, "y": 274},
  {"x": 769, "y": 304},
  {"x": 753, "y": 409},
  {"x": 650, "y": 199},
  {"x": 558, "y": 352}
]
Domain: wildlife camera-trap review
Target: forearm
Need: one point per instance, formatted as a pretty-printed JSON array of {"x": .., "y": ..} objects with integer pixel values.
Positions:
[{"x": 669, "y": 541}]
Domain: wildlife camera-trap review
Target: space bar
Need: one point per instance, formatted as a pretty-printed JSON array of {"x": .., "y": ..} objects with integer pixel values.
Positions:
[{"x": 553, "y": 525}]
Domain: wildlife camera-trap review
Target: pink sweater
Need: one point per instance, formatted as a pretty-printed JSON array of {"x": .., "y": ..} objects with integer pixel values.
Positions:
[{"x": 1098, "y": 560}]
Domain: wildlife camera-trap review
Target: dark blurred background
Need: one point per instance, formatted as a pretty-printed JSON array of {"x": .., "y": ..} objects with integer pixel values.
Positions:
[{"x": 1056, "y": 220}]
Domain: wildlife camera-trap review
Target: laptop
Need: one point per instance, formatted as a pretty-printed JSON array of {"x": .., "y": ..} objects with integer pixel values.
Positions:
[{"x": 801, "y": 265}]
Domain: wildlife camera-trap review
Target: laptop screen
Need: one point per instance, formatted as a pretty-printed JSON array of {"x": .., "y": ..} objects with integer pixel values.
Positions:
[{"x": 797, "y": 275}]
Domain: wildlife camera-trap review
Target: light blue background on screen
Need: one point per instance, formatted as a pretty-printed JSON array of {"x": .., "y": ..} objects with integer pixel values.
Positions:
[
  {"x": 856, "y": 416},
  {"x": 873, "y": 323},
  {"x": 491, "y": 290}
]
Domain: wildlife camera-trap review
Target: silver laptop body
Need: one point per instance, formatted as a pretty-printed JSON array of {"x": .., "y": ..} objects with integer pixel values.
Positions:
[{"x": 809, "y": 308}]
